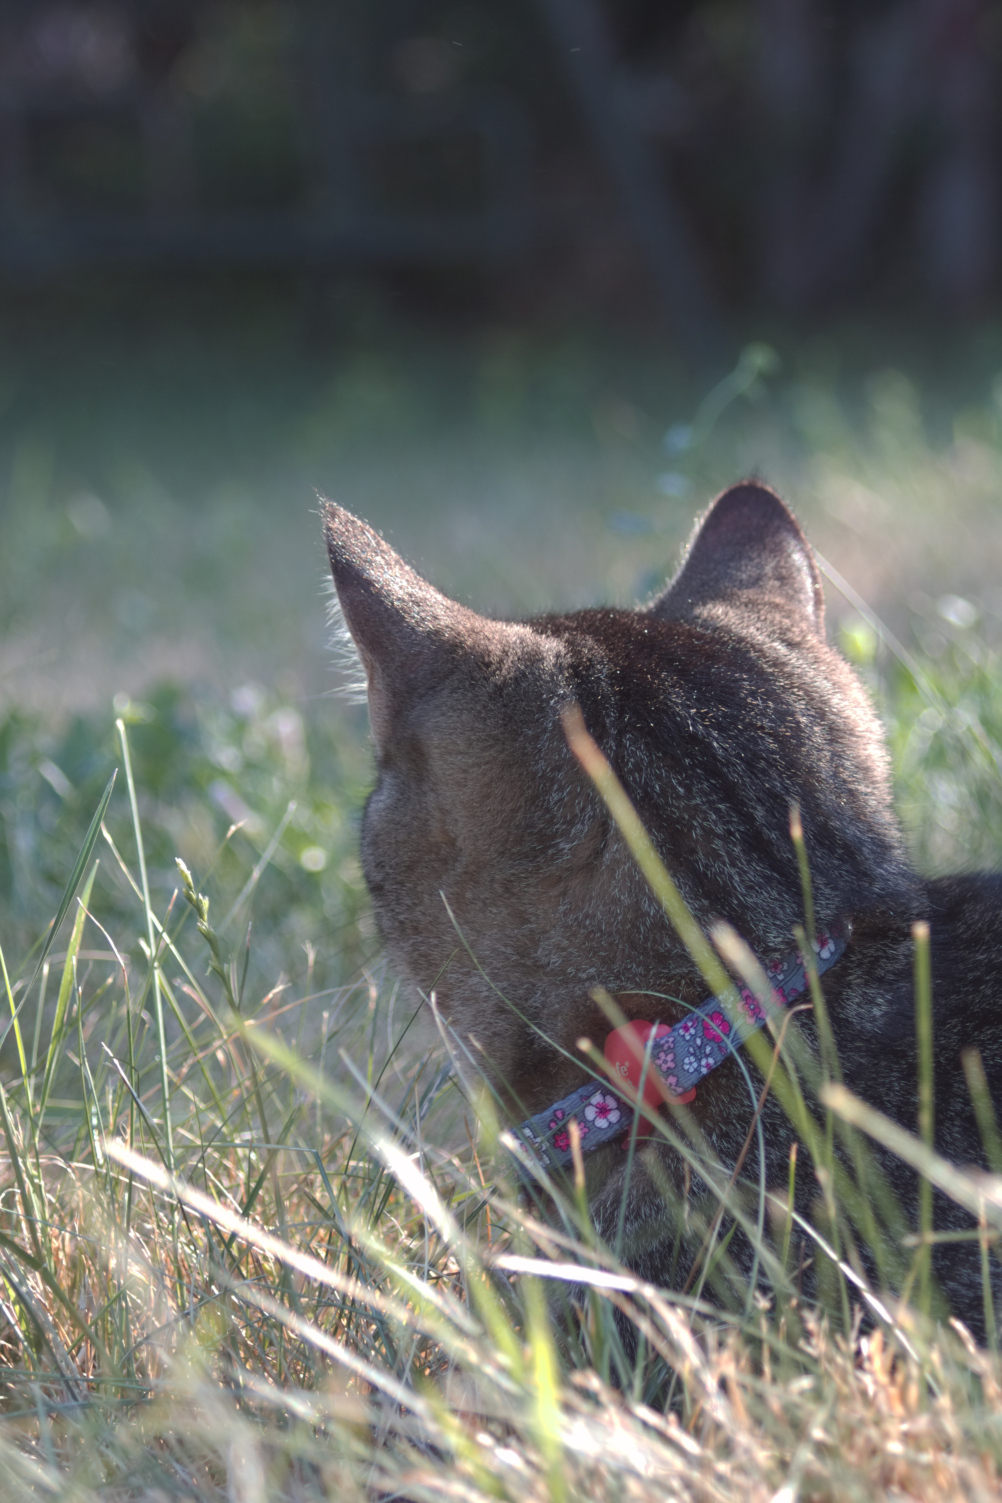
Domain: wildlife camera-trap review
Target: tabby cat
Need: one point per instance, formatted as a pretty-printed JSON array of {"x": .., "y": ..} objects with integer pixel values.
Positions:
[{"x": 499, "y": 880}]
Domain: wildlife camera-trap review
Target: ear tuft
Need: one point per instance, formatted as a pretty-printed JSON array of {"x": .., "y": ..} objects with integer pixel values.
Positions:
[
  {"x": 379, "y": 593},
  {"x": 747, "y": 551},
  {"x": 405, "y": 630}
]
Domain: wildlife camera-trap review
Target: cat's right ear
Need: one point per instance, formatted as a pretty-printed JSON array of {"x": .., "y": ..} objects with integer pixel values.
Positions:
[
  {"x": 747, "y": 551},
  {"x": 407, "y": 632}
]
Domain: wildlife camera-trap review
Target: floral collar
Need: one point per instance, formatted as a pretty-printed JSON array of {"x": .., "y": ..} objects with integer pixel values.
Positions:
[{"x": 679, "y": 1057}]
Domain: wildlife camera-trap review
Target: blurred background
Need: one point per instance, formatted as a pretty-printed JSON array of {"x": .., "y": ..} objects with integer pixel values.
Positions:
[{"x": 524, "y": 285}]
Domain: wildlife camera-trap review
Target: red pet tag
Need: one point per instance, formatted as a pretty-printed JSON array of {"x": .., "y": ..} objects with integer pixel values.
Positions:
[{"x": 624, "y": 1050}]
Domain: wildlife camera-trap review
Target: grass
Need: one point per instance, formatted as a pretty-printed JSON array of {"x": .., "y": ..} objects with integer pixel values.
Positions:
[
  {"x": 277, "y": 1259},
  {"x": 257, "y": 1238}
]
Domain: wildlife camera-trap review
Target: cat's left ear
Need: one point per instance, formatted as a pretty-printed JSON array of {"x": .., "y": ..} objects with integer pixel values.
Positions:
[
  {"x": 748, "y": 552},
  {"x": 408, "y": 634}
]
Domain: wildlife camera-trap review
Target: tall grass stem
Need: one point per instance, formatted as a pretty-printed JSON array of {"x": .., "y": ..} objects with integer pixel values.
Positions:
[{"x": 926, "y": 1105}]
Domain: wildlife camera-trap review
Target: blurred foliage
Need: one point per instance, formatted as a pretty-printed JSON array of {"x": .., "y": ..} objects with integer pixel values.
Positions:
[
  {"x": 946, "y": 744},
  {"x": 217, "y": 782},
  {"x": 815, "y": 152}
]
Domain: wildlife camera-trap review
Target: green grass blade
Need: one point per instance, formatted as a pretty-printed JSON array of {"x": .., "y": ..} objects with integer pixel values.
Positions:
[
  {"x": 984, "y": 1111},
  {"x": 33, "y": 1212},
  {"x": 631, "y": 828},
  {"x": 63, "y": 1000},
  {"x": 18, "y": 1040},
  {"x": 151, "y": 926},
  {"x": 926, "y": 1122},
  {"x": 981, "y": 1195},
  {"x": 90, "y": 840}
]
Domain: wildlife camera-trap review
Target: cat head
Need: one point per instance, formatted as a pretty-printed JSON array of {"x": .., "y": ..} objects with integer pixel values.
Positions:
[{"x": 497, "y": 877}]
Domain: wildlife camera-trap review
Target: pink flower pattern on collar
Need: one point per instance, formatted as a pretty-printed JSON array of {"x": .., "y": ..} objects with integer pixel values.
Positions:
[{"x": 682, "y": 1055}]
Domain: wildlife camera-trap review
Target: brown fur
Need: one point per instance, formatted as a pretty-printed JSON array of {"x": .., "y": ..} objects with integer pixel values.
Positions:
[{"x": 719, "y": 705}]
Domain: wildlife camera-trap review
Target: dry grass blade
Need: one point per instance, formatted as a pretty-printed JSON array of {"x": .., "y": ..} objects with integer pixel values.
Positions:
[{"x": 362, "y": 1291}]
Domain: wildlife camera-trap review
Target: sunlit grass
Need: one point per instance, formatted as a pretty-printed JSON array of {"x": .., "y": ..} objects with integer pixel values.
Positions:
[
  {"x": 285, "y": 1259},
  {"x": 257, "y": 1236},
  {"x": 157, "y": 509}
]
